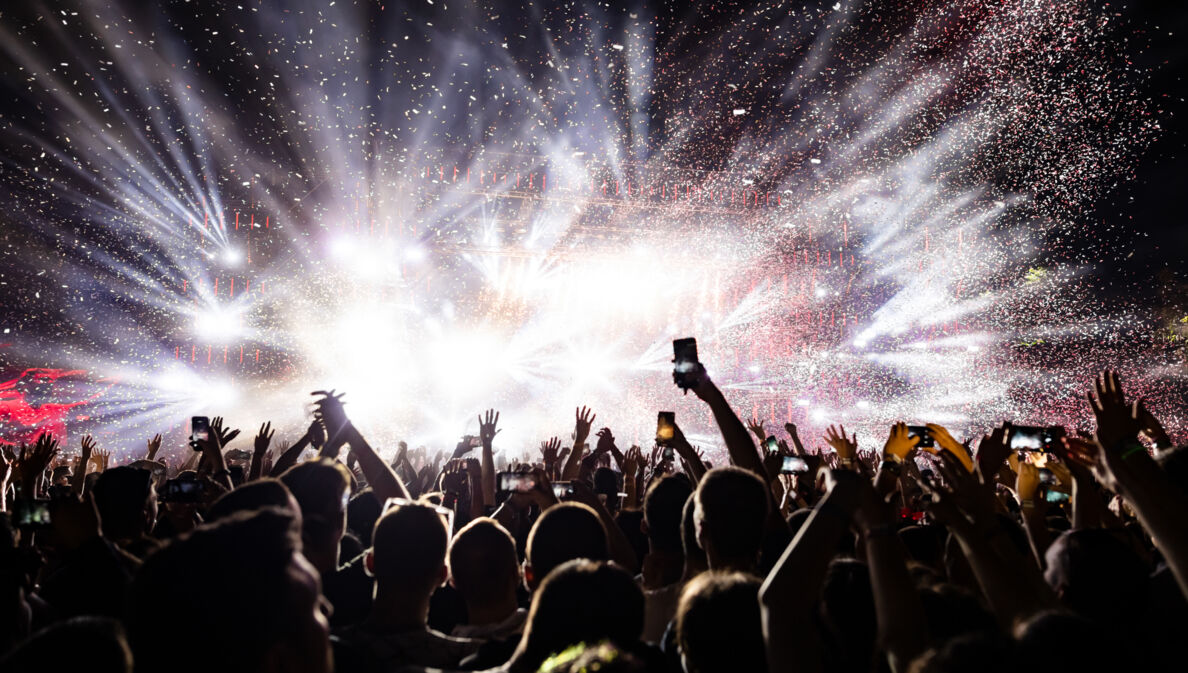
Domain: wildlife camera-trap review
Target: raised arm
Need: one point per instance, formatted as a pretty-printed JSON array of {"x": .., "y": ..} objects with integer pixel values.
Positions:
[
  {"x": 687, "y": 453},
  {"x": 487, "y": 432},
  {"x": 384, "y": 482},
  {"x": 289, "y": 457},
  {"x": 789, "y": 597},
  {"x": 1011, "y": 582},
  {"x": 584, "y": 419},
  {"x": 898, "y": 610},
  {"x": 259, "y": 449},
  {"x": 212, "y": 452},
  {"x": 734, "y": 433},
  {"x": 79, "y": 478},
  {"x": 1128, "y": 469}
]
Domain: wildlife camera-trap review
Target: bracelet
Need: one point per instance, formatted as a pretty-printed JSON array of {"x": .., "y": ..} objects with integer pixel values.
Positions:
[
  {"x": 1133, "y": 449},
  {"x": 892, "y": 458},
  {"x": 1027, "y": 504}
]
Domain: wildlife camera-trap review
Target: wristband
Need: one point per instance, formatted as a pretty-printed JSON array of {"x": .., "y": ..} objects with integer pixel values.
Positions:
[
  {"x": 1027, "y": 504},
  {"x": 892, "y": 458},
  {"x": 1132, "y": 450}
]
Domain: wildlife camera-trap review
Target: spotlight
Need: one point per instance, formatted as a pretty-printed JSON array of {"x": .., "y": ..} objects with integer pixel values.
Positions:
[
  {"x": 232, "y": 256},
  {"x": 218, "y": 324}
]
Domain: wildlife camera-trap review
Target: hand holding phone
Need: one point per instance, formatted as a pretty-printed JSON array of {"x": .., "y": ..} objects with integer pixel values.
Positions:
[
  {"x": 199, "y": 431},
  {"x": 793, "y": 465},
  {"x": 665, "y": 427},
  {"x": 927, "y": 441},
  {"x": 1030, "y": 438},
  {"x": 684, "y": 363},
  {"x": 515, "y": 482}
]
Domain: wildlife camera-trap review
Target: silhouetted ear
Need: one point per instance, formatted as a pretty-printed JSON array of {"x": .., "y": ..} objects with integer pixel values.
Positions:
[{"x": 369, "y": 562}]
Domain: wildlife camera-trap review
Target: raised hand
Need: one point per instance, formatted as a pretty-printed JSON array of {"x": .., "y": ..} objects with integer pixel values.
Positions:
[
  {"x": 946, "y": 442},
  {"x": 101, "y": 459},
  {"x": 487, "y": 429},
  {"x": 633, "y": 461},
  {"x": 1150, "y": 426},
  {"x": 152, "y": 446},
  {"x": 87, "y": 447},
  {"x": 316, "y": 435},
  {"x": 329, "y": 410},
  {"x": 220, "y": 434},
  {"x": 584, "y": 419},
  {"x": 993, "y": 450},
  {"x": 263, "y": 438},
  {"x": 549, "y": 454},
  {"x": 845, "y": 446},
  {"x": 1027, "y": 483},
  {"x": 790, "y": 428},
  {"x": 1117, "y": 421},
  {"x": 756, "y": 427},
  {"x": 899, "y": 444}
]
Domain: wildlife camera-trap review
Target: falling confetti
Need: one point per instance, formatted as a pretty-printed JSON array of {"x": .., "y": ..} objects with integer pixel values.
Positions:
[{"x": 864, "y": 212}]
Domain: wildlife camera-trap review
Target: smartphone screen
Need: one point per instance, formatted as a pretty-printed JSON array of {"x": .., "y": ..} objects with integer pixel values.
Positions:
[
  {"x": 684, "y": 361},
  {"x": 31, "y": 513},
  {"x": 1028, "y": 438},
  {"x": 665, "y": 426},
  {"x": 1056, "y": 496},
  {"x": 182, "y": 491},
  {"x": 926, "y": 440},
  {"x": 199, "y": 428},
  {"x": 793, "y": 465},
  {"x": 515, "y": 482},
  {"x": 563, "y": 490},
  {"x": 771, "y": 444},
  {"x": 668, "y": 455}
]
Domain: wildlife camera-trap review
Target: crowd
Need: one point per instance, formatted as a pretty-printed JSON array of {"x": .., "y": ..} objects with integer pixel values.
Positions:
[{"x": 929, "y": 554}]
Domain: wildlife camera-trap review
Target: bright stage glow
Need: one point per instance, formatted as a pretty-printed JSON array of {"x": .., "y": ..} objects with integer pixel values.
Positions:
[
  {"x": 219, "y": 324},
  {"x": 527, "y": 223}
]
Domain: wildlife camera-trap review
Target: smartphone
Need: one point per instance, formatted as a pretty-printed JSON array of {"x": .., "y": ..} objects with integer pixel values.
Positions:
[
  {"x": 669, "y": 455},
  {"x": 1056, "y": 496},
  {"x": 684, "y": 362},
  {"x": 515, "y": 482},
  {"x": 926, "y": 440},
  {"x": 1046, "y": 476},
  {"x": 563, "y": 490},
  {"x": 182, "y": 491},
  {"x": 793, "y": 465},
  {"x": 771, "y": 444},
  {"x": 475, "y": 441},
  {"x": 199, "y": 430},
  {"x": 665, "y": 427},
  {"x": 1032, "y": 438},
  {"x": 31, "y": 513}
]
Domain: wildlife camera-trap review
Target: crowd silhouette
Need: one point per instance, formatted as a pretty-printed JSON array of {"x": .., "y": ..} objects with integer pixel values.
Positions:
[{"x": 1027, "y": 549}]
